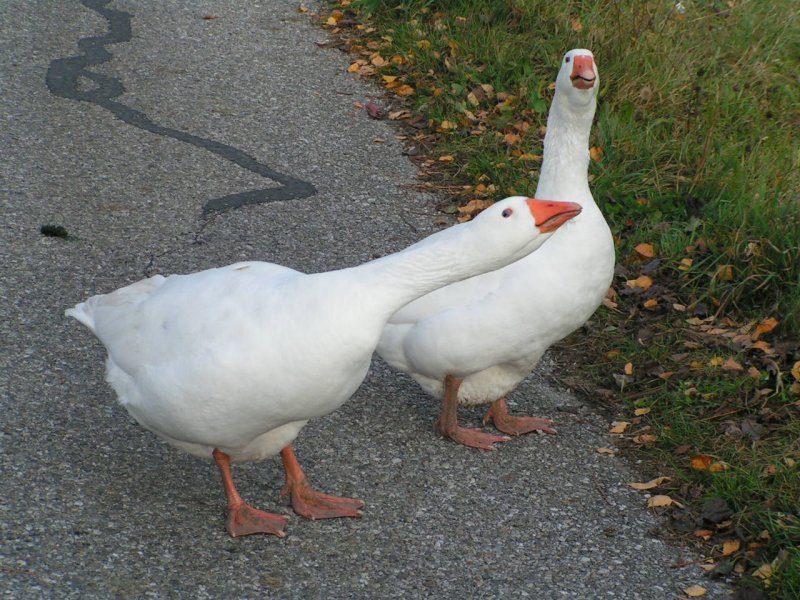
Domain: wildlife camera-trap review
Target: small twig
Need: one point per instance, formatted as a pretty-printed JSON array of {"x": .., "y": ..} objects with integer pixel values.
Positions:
[{"x": 694, "y": 562}]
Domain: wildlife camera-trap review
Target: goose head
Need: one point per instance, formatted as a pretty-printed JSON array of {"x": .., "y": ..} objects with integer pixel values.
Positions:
[
  {"x": 519, "y": 225},
  {"x": 578, "y": 79}
]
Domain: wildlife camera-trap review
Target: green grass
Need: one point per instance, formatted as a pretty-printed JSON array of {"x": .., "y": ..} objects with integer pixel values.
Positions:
[
  {"x": 698, "y": 122},
  {"x": 698, "y": 118}
]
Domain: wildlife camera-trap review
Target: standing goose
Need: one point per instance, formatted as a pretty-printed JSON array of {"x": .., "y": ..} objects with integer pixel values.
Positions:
[
  {"x": 231, "y": 363},
  {"x": 474, "y": 341}
]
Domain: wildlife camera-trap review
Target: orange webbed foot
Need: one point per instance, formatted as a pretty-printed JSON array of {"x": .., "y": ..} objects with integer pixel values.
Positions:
[{"x": 503, "y": 421}]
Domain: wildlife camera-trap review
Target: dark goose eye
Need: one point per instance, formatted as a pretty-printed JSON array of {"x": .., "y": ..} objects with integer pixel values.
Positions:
[
  {"x": 566, "y": 59},
  {"x": 507, "y": 213}
]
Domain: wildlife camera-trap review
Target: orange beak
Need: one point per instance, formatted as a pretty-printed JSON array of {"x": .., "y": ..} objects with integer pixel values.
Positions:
[
  {"x": 550, "y": 214},
  {"x": 582, "y": 75}
]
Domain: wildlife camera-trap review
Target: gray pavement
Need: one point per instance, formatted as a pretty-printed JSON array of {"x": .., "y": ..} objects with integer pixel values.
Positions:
[{"x": 180, "y": 144}]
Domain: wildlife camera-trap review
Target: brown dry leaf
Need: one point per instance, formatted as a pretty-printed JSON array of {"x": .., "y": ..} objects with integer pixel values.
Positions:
[
  {"x": 754, "y": 373},
  {"x": 606, "y": 451},
  {"x": 511, "y": 138},
  {"x": 576, "y": 25},
  {"x": 796, "y": 370},
  {"x": 705, "y": 534},
  {"x": 645, "y": 439},
  {"x": 399, "y": 114},
  {"x": 354, "y": 67},
  {"x": 718, "y": 467},
  {"x": 404, "y": 90},
  {"x": 389, "y": 78},
  {"x": 642, "y": 411},
  {"x": 685, "y": 264},
  {"x": 666, "y": 375},
  {"x": 619, "y": 426},
  {"x": 679, "y": 307},
  {"x": 645, "y": 250},
  {"x": 302, "y": 8},
  {"x": 765, "y": 326},
  {"x": 649, "y": 485},
  {"x": 763, "y": 346},
  {"x": 474, "y": 206},
  {"x": 531, "y": 157},
  {"x": 595, "y": 153},
  {"x": 731, "y": 546},
  {"x": 650, "y": 303},
  {"x": 659, "y": 501},
  {"x": 701, "y": 462},
  {"x": 445, "y": 125},
  {"x": 695, "y": 591},
  {"x": 732, "y": 365},
  {"x": 716, "y": 361},
  {"x": 643, "y": 282},
  {"x": 446, "y": 158}
]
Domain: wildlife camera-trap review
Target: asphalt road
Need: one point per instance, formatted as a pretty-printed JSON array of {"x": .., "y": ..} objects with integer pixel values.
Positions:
[{"x": 164, "y": 142}]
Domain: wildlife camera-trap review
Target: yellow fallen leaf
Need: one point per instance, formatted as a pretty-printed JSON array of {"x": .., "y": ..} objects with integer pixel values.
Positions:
[
  {"x": 642, "y": 411},
  {"x": 445, "y": 125},
  {"x": 619, "y": 426},
  {"x": 628, "y": 369},
  {"x": 701, "y": 462},
  {"x": 302, "y": 8},
  {"x": 695, "y": 591},
  {"x": 763, "y": 572},
  {"x": 446, "y": 158},
  {"x": 595, "y": 153},
  {"x": 649, "y": 485},
  {"x": 474, "y": 206},
  {"x": 531, "y": 157},
  {"x": 718, "y": 467},
  {"x": 645, "y": 250},
  {"x": 650, "y": 303},
  {"x": 796, "y": 370},
  {"x": 424, "y": 44},
  {"x": 389, "y": 78},
  {"x": 404, "y": 90},
  {"x": 725, "y": 272},
  {"x": 679, "y": 307},
  {"x": 643, "y": 282},
  {"x": 716, "y": 361},
  {"x": 731, "y": 546},
  {"x": 685, "y": 264},
  {"x": 353, "y": 68}
]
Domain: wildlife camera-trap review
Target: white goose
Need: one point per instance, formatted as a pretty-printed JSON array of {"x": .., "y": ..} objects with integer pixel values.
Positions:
[
  {"x": 231, "y": 363},
  {"x": 472, "y": 342}
]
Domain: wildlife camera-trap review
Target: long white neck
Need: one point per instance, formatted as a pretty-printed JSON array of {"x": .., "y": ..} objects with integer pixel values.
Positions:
[
  {"x": 448, "y": 256},
  {"x": 566, "y": 154}
]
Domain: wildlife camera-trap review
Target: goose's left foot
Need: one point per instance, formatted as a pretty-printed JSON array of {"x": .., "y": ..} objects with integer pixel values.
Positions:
[
  {"x": 308, "y": 502},
  {"x": 498, "y": 414}
]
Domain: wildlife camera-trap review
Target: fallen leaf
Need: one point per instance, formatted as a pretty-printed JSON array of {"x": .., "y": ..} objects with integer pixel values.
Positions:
[
  {"x": 374, "y": 111},
  {"x": 595, "y": 153},
  {"x": 732, "y": 365},
  {"x": 399, "y": 114},
  {"x": 650, "y": 303},
  {"x": 619, "y": 426},
  {"x": 606, "y": 451},
  {"x": 642, "y": 411},
  {"x": 650, "y": 484},
  {"x": 628, "y": 369},
  {"x": 679, "y": 307},
  {"x": 645, "y": 250},
  {"x": 685, "y": 264},
  {"x": 424, "y": 44},
  {"x": 302, "y": 8},
  {"x": 511, "y": 138},
  {"x": 765, "y": 326},
  {"x": 576, "y": 25},
  {"x": 718, "y": 467},
  {"x": 645, "y": 439},
  {"x": 716, "y": 361},
  {"x": 705, "y": 534},
  {"x": 796, "y": 370},
  {"x": 695, "y": 591},
  {"x": 404, "y": 90},
  {"x": 731, "y": 546},
  {"x": 446, "y": 158},
  {"x": 763, "y": 572},
  {"x": 660, "y": 500},
  {"x": 474, "y": 206},
  {"x": 701, "y": 462},
  {"x": 642, "y": 282},
  {"x": 725, "y": 272}
]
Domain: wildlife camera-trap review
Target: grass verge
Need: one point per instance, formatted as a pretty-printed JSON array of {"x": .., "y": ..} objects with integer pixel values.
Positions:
[{"x": 696, "y": 164}]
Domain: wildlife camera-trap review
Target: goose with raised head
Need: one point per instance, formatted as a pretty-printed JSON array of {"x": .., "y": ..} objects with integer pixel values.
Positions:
[
  {"x": 230, "y": 363},
  {"x": 474, "y": 341}
]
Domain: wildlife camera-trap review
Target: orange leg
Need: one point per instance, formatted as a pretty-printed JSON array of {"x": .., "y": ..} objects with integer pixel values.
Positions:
[
  {"x": 243, "y": 519},
  {"x": 498, "y": 413},
  {"x": 447, "y": 423},
  {"x": 308, "y": 502}
]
